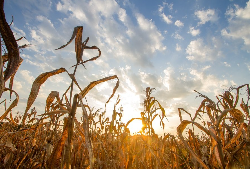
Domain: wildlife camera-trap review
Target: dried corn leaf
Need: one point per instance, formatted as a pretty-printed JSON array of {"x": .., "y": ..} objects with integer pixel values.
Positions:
[
  {"x": 54, "y": 112},
  {"x": 36, "y": 87},
  {"x": 91, "y": 59},
  {"x": 12, "y": 77},
  {"x": 154, "y": 117},
  {"x": 94, "y": 83},
  {"x": 216, "y": 147},
  {"x": 236, "y": 136},
  {"x": 77, "y": 34},
  {"x": 86, "y": 133},
  {"x": 57, "y": 150},
  {"x": 179, "y": 109},
  {"x": 181, "y": 128},
  {"x": 237, "y": 115},
  {"x": 67, "y": 157},
  {"x": 165, "y": 137},
  {"x": 2, "y": 82},
  {"x": 244, "y": 107},
  {"x": 77, "y": 31},
  {"x": 13, "y": 104},
  {"x": 50, "y": 99},
  {"x": 131, "y": 121},
  {"x": 14, "y": 60},
  {"x": 223, "y": 114}
]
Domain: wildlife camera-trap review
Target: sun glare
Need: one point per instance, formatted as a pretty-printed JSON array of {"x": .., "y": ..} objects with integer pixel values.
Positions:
[{"x": 135, "y": 126}]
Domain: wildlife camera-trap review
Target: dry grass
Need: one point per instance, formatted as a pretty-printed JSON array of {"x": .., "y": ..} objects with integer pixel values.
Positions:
[{"x": 56, "y": 139}]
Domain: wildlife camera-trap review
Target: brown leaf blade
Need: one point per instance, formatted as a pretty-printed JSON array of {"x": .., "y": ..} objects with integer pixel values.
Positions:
[
  {"x": 181, "y": 128},
  {"x": 94, "y": 83},
  {"x": 36, "y": 87},
  {"x": 13, "y": 104},
  {"x": 75, "y": 32},
  {"x": 14, "y": 60}
]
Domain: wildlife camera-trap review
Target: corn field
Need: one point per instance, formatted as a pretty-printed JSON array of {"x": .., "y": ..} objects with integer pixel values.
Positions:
[{"x": 57, "y": 139}]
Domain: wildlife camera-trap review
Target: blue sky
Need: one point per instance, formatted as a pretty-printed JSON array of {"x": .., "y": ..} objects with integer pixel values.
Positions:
[{"x": 174, "y": 46}]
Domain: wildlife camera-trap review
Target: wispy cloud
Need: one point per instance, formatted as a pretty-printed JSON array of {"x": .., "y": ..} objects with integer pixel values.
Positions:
[
  {"x": 194, "y": 32},
  {"x": 27, "y": 76},
  {"x": 178, "y": 47},
  {"x": 209, "y": 15},
  {"x": 166, "y": 19},
  {"x": 178, "y": 23},
  {"x": 177, "y": 36},
  {"x": 226, "y": 64},
  {"x": 197, "y": 50},
  {"x": 239, "y": 23},
  {"x": 209, "y": 83}
]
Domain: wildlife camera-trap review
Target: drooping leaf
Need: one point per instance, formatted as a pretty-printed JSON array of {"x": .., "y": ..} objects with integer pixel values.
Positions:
[
  {"x": 216, "y": 146},
  {"x": 181, "y": 128},
  {"x": 54, "y": 112},
  {"x": 87, "y": 134},
  {"x": 94, "y": 83},
  {"x": 36, "y": 87},
  {"x": 50, "y": 99},
  {"x": 236, "y": 136},
  {"x": 77, "y": 30},
  {"x": 13, "y": 104},
  {"x": 77, "y": 34},
  {"x": 14, "y": 60},
  {"x": 91, "y": 59},
  {"x": 132, "y": 120},
  {"x": 56, "y": 154}
]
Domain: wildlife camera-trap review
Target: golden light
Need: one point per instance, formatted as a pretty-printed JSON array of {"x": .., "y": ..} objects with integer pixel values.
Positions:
[{"x": 135, "y": 126}]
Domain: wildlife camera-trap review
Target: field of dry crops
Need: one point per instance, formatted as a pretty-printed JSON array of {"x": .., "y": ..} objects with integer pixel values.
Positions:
[{"x": 57, "y": 139}]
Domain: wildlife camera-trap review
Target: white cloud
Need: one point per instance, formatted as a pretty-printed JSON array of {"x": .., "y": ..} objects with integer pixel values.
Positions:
[
  {"x": 178, "y": 47},
  {"x": 226, "y": 64},
  {"x": 27, "y": 76},
  {"x": 161, "y": 7},
  {"x": 17, "y": 86},
  {"x": 45, "y": 36},
  {"x": 207, "y": 16},
  {"x": 206, "y": 67},
  {"x": 177, "y": 36},
  {"x": 210, "y": 83},
  {"x": 31, "y": 9},
  {"x": 243, "y": 13},
  {"x": 166, "y": 19},
  {"x": 248, "y": 66},
  {"x": 150, "y": 79},
  {"x": 122, "y": 15},
  {"x": 175, "y": 86},
  {"x": 106, "y": 7},
  {"x": 41, "y": 65},
  {"x": 19, "y": 32},
  {"x": 170, "y": 6},
  {"x": 178, "y": 23},
  {"x": 122, "y": 39},
  {"x": 194, "y": 32},
  {"x": 239, "y": 23},
  {"x": 199, "y": 51}
]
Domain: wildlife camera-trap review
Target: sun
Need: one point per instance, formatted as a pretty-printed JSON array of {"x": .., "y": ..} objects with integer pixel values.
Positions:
[{"x": 135, "y": 126}]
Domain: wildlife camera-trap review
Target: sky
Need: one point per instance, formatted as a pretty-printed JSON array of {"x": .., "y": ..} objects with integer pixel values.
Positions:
[{"x": 175, "y": 47}]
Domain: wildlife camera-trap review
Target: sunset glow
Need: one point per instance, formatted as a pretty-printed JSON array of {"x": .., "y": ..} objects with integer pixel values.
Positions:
[{"x": 135, "y": 126}]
